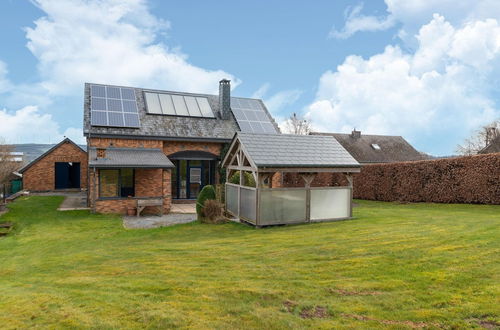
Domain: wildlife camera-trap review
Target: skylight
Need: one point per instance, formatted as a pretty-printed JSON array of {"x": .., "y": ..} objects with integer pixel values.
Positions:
[
  {"x": 375, "y": 146},
  {"x": 177, "y": 105}
]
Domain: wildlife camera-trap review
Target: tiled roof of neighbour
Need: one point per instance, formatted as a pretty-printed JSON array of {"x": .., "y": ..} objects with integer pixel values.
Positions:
[
  {"x": 130, "y": 157},
  {"x": 392, "y": 148},
  {"x": 493, "y": 147},
  {"x": 170, "y": 127},
  {"x": 295, "y": 151}
]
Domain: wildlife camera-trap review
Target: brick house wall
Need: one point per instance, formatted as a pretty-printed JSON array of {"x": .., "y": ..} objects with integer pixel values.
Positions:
[
  {"x": 148, "y": 182},
  {"x": 41, "y": 175}
]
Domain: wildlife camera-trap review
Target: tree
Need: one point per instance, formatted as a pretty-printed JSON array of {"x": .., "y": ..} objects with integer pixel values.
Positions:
[
  {"x": 297, "y": 125},
  {"x": 7, "y": 163},
  {"x": 480, "y": 139}
]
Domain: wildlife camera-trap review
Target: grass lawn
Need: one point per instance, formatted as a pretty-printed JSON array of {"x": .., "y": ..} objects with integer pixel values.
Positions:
[{"x": 395, "y": 266}]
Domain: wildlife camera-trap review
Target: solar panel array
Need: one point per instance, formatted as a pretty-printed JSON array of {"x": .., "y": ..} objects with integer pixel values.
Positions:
[
  {"x": 113, "y": 106},
  {"x": 178, "y": 105},
  {"x": 251, "y": 116}
]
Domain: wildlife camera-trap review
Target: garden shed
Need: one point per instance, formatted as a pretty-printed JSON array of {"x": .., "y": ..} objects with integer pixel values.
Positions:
[{"x": 265, "y": 155}]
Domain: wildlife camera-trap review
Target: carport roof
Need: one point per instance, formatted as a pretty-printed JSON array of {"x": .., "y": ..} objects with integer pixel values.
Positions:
[{"x": 129, "y": 157}]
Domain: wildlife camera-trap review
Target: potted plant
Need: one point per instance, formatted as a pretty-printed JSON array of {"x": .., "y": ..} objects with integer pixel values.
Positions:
[{"x": 130, "y": 209}]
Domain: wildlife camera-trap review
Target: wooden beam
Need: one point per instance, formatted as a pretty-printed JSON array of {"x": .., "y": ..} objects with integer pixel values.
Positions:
[{"x": 308, "y": 178}]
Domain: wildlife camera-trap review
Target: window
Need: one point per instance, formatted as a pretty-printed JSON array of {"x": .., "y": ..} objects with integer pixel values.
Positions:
[
  {"x": 116, "y": 183},
  {"x": 375, "y": 146}
]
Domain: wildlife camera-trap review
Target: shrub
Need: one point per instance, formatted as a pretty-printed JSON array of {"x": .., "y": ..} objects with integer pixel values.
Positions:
[
  {"x": 212, "y": 212},
  {"x": 249, "y": 179},
  {"x": 208, "y": 192}
]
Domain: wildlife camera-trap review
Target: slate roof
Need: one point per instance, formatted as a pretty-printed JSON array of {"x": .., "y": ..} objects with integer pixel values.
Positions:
[
  {"x": 392, "y": 148},
  {"x": 130, "y": 157},
  {"x": 286, "y": 150},
  {"x": 493, "y": 147},
  {"x": 169, "y": 127},
  {"x": 34, "y": 161}
]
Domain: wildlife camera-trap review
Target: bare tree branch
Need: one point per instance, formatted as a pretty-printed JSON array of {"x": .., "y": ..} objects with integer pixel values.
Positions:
[
  {"x": 481, "y": 138},
  {"x": 7, "y": 162},
  {"x": 297, "y": 125}
]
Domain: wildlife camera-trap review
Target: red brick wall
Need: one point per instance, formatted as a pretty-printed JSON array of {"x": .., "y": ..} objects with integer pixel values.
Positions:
[
  {"x": 124, "y": 143},
  {"x": 41, "y": 175},
  {"x": 170, "y": 147}
]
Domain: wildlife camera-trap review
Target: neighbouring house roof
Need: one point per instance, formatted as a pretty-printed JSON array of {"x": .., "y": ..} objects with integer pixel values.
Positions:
[
  {"x": 164, "y": 127},
  {"x": 31, "y": 151},
  {"x": 34, "y": 161},
  {"x": 376, "y": 148},
  {"x": 129, "y": 157},
  {"x": 493, "y": 147},
  {"x": 304, "y": 151}
]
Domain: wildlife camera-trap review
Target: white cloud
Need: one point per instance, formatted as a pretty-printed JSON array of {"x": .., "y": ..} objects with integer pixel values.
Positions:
[
  {"x": 357, "y": 22},
  {"x": 28, "y": 125},
  {"x": 262, "y": 91},
  {"x": 434, "y": 96},
  {"x": 110, "y": 41}
]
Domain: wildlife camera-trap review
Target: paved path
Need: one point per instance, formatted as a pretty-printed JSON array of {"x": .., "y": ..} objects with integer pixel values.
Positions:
[
  {"x": 154, "y": 221},
  {"x": 75, "y": 200}
]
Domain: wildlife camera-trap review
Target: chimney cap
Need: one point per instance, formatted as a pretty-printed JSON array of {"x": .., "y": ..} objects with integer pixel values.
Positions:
[
  {"x": 224, "y": 81},
  {"x": 356, "y": 134}
]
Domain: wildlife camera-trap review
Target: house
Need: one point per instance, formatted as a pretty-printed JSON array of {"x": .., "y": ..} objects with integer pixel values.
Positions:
[
  {"x": 373, "y": 149},
  {"x": 492, "y": 147},
  {"x": 163, "y": 146},
  {"x": 64, "y": 166}
]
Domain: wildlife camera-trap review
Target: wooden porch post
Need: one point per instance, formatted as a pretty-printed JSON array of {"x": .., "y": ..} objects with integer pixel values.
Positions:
[
  {"x": 308, "y": 179},
  {"x": 349, "y": 179}
]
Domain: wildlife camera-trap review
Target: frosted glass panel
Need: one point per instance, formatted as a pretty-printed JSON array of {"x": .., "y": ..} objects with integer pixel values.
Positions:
[
  {"x": 281, "y": 206},
  {"x": 153, "y": 103},
  {"x": 248, "y": 206},
  {"x": 232, "y": 199},
  {"x": 330, "y": 203}
]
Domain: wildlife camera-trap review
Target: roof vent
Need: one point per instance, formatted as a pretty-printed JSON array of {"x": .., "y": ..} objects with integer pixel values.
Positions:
[
  {"x": 356, "y": 134},
  {"x": 225, "y": 98}
]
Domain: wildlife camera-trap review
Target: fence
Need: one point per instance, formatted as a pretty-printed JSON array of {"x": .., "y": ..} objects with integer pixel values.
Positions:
[{"x": 274, "y": 206}]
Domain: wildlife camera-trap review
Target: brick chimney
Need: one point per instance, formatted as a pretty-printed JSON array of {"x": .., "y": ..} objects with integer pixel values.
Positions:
[
  {"x": 225, "y": 98},
  {"x": 356, "y": 134}
]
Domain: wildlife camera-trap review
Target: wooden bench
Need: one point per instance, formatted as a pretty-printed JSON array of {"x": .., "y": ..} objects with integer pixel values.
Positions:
[{"x": 143, "y": 203}]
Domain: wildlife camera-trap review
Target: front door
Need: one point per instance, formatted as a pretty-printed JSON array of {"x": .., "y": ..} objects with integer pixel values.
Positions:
[{"x": 190, "y": 176}]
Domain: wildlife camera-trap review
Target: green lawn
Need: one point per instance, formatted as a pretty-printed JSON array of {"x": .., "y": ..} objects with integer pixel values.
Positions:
[{"x": 394, "y": 266}]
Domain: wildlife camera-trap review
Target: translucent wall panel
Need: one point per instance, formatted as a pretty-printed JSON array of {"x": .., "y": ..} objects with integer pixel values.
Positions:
[
  {"x": 248, "y": 203},
  {"x": 282, "y": 206},
  {"x": 330, "y": 203},
  {"x": 232, "y": 199}
]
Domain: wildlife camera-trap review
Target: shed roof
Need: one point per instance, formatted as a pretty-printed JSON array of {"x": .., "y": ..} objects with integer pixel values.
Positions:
[
  {"x": 34, "y": 161},
  {"x": 130, "y": 157},
  {"x": 164, "y": 127},
  {"x": 305, "y": 151},
  {"x": 391, "y": 148}
]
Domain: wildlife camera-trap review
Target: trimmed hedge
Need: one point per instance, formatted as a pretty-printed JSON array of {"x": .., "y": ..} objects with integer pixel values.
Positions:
[
  {"x": 471, "y": 179},
  {"x": 249, "y": 179}
]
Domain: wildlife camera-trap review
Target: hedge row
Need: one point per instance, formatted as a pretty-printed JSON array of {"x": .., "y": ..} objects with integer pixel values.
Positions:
[{"x": 472, "y": 179}]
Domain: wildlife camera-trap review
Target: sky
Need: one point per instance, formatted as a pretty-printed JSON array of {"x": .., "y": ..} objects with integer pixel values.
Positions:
[{"x": 425, "y": 70}]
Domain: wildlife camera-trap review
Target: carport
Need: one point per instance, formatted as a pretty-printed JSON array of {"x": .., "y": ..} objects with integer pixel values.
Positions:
[{"x": 263, "y": 155}]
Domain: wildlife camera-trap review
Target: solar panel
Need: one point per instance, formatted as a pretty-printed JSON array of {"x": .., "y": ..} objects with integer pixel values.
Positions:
[
  {"x": 113, "y": 106},
  {"x": 251, "y": 116},
  {"x": 177, "y": 105}
]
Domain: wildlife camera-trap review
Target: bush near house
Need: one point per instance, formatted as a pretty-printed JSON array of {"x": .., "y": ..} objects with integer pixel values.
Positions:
[
  {"x": 249, "y": 179},
  {"x": 207, "y": 193},
  {"x": 472, "y": 179}
]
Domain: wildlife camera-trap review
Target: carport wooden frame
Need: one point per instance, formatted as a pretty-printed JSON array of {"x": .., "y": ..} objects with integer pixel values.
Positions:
[{"x": 237, "y": 159}]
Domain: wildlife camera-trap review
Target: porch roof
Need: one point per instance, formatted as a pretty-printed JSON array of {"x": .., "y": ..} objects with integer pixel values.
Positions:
[
  {"x": 129, "y": 157},
  {"x": 292, "y": 151}
]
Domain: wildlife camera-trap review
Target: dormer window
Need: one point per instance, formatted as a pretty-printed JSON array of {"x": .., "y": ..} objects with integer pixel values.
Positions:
[{"x": 375, "y": 146}]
